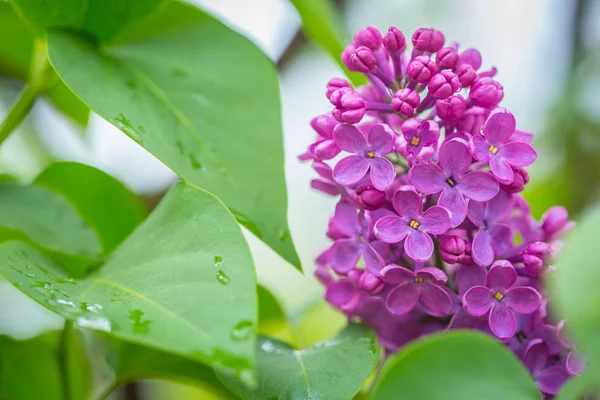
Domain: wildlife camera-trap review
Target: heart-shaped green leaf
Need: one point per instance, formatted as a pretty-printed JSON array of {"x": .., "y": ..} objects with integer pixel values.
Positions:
[
  {"x": 334, "y": 369},
  {"x": 183, "y": 283},
  {"x": 455, "y": 365},
  {"x": 200, "y": 97},
  {"x": 105, "y": 203}
]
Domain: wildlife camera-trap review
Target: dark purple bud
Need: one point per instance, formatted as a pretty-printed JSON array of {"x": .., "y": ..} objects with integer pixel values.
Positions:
[
  {"x": 555, "y": 221},
  {"x": 471, "y": 57},
  {"x": 369, "y": 37},
  {"x": 466, "y": 74},
  {"x": 405, "y": 101},
  {"x": 368, "y": 197},
  {"x": 446, "y": 58},
  {"x": 443, "y": 85},
  {"x": 349, "y": 106},
  {"x": 394, "y": 40},
  {"x": 486, "y": 92},
  {"x": 363, "y": 60},
  {"x": 421, "y": 69},
  {"x": 429, "y": 40},
  {"x": 451, "y": 108},
  {"x": 371, "y": 283},
  {"x": 452, "y": 249},
  {"x": 518, "y": 184},
  {"x": 335, "y": 84}
]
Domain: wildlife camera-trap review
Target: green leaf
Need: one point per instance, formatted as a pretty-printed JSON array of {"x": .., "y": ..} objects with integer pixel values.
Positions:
[
  {"x": 323, "y": 25},
  {"x": 333, "y": 369},
  {"x": 574, "y": 285},
  {"x": 162, "y": 287},
  {"x": 15, "y": 61},
  {"x": 30, "y": 369},
  {"x": 455, "y": 365},
  {"x": 105, "y": 203},
  {"x": 46, "y": 219},
  {"x": 577, "y": 387},
  {"x": 201, "y": 98}
]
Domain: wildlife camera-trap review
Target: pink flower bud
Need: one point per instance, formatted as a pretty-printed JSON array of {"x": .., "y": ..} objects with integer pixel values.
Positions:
[
  {"x": 451, "y": 108},
  {"x": 468, "y": 259},
  {"x": 518, "y": 184},
  {"x": 421, "y": 69},
  {"x": 556, "y": 221},
  {"x": 394, "y": 40},
  {"x": 405, "y": 101},
  {"x": 371, "y": 283},
  {"x": 349, "y": 105},
  {"x": 471, "y": 57},
  {"x": 347, "y": 54},
  {"x": 472, "y": 120},
  {"x": 443, "y": 85},
  {"x": 363, "y": 60},
  {"x": 452, "y": 249},
  {"x": 335, "y": 84},
  {"x": 486, "y": 92},
  {"x": 466, "y": 74},
  {"x": 430, "y": 40},
  {"x": 446, "y": 58},
  {"x": 368, "y": 197},
  {"x": 534, "y": 256},
  {"x": 369, "y": 37}
]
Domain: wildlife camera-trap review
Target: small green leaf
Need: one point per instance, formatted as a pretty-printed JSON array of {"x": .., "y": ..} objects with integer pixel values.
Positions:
[
  {"x": 161, "y": 287},
  {"x": 334, "y": 369},
  {"x": 324, "y": 26},
  {"x": 574, "y": 285},
  {"x": 105, "y": 203},
  {"x": 175, "y": 84},
  {"x": 455, "y": 365}
]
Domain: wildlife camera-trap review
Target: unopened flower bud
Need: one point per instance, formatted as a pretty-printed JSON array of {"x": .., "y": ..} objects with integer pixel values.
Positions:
[
  {"x": 369, "y": 37},
  {"x": 443, "y": 85},
  {"x": 335, "y": 84},
  {"x": 471, "y": 57},
  {"x": 556, "y": 221},
  {"x": 371, "y": 283},
  {"x": 363, "y": 60},
  {"x": 421, "y": 69},
  {"x": 486, "y": 92},
  {"x": 451, "y": 108},
  {"x": 521, "y": 178},
  {"x": 534, "y": 256},
  {"x": 429, "y": 40},
  {"x": 394, "y": 40},
  {"x": 452, "y": 249},
  {"x": 446, "y": 58},
  {"x": 368, "y": 197},
  {"x": 466, "y": 74},
  {"x": 405, "y": 101},
  {"x": 349, "y": 106}
]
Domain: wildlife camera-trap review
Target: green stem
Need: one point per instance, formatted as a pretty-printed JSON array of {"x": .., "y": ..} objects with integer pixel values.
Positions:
[
  {"x": 64, "y": 358},
  {"x": 106, "y": 392},
  {"x": 438, "y": 256}
]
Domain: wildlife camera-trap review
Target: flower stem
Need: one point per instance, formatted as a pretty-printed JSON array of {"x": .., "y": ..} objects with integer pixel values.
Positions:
[
  {"x": 438, "y": 256},
  {"x": 64, "y": 358}
]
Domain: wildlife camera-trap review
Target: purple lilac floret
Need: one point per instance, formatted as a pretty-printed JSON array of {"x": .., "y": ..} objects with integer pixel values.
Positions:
[{"x": 431, "y": 232}]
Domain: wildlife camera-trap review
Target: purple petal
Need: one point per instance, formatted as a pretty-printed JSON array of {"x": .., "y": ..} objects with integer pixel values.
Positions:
[
  {"x": 501, "y": 206},
  {"x": 403, "y": 298},
  {"x": 477, "y": 300},
  {"x": 523, "y": 299},
  {"x": 479, "y": 186},
  {"x": 499, "y": 126},
  {"x": 323, "y": 170},
  {"x": 453, "y": 201},
  {"x": 340, "y": 293},
  {"x": 455, "y": 157},
  {"x": 435, "y": 220},
  {"x": 324, "y": 125},
  {"x": 521, "y": 136},
  {"x": 408, "y": 203},
  {"x": 483, "y": 252},
  {"x": 502, "y": 321},
  {"x": 324, "y": 187},
  {"x": 433, "y": 275},
  {"x": 418, "y": 246},
  {"x": 535, "y": 356},
  {"x": 344, "y": 255},
  {"x": 501, "y": 235},
  {"x": 427, "y": 178},
  {"x": 350, "y": 170},
  {"x": 345, "y": 219},
  {"x": 397, "y": 275},
  {"x": 382, "y": 173},
  {"x": 481, "y": 148},
  {"x": 435, "y": 300},
  {"x": 380, "y": 139},
  {"x": 501, "y": 169},
  {"x": 476, "y": 213},
  {"x": 468, "y": 276},
  {"x": 326, "y": 150},
  {"x": 520, "y": 154},
  {"x": 349, "y": 138},
  {"x": 373, "y": 260},
  {"x": 575, "y": 363},
  {"x": 551, "y": 379},
  {"x": 501, "y": 276},
  {"x": 391, "y": 229}
]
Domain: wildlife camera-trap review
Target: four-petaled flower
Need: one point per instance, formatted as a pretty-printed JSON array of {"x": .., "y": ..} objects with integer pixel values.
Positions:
[
  {"x": 451, "y": 176},
  {"x": 412, "y": 224},
  {"x": 500, "y": 148},
  {"x": 424, "y": 287},
  {"x": 419, "y": 138},
  {"x": 369, "y": 154},
  {"x": 501, "y": 299}
]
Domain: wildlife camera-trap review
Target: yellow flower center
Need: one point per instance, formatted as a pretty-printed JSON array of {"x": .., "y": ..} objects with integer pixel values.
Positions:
[
  {"x": 499, "y": 296},
  {"x": 414, "y": 224},
  {"x": 371, "y": 154},
  {"x": 418, "y": 280},
  {"x": 520, "y": 337},
  {"x": 493, "y": 149},
  {"x": 450, "y": 182},
  {"x": 415, "y": 140}
]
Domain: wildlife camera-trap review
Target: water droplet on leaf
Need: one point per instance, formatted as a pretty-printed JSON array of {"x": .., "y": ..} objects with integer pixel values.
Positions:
[
  {"x": 242, "y": 331},
  {"x": 194, "y": 161},
  {"x": 99, "y": 323},
  {"x": 218, "y": 260},
  {"x": 139, "y": 326},
  {"x": 125, "y": 125},
  {"x": 222, "y": 278}
]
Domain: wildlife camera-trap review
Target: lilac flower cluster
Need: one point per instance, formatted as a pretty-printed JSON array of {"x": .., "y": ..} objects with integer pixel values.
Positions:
[{"x": 430, "y": 232}]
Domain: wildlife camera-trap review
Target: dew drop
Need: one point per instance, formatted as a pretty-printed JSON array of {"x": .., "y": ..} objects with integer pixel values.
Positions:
[
  {"x": 242, "y": 331},
  {"x": 99, "y": 323},
  {"x": 267, "y": 346},
  {"x": 125, "y": 125},
  {"x": 222, "y": 278},
  {"x": 24, "y": 273},
  {"x": 136, "y": 318},
  {"x": 179, "y": 145},
  {"x": 194, "y": 161},
  {"x": 64, "y": 302},
  {"x": 200, "y": 99},
  {"x": 218, "y": 260}
]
